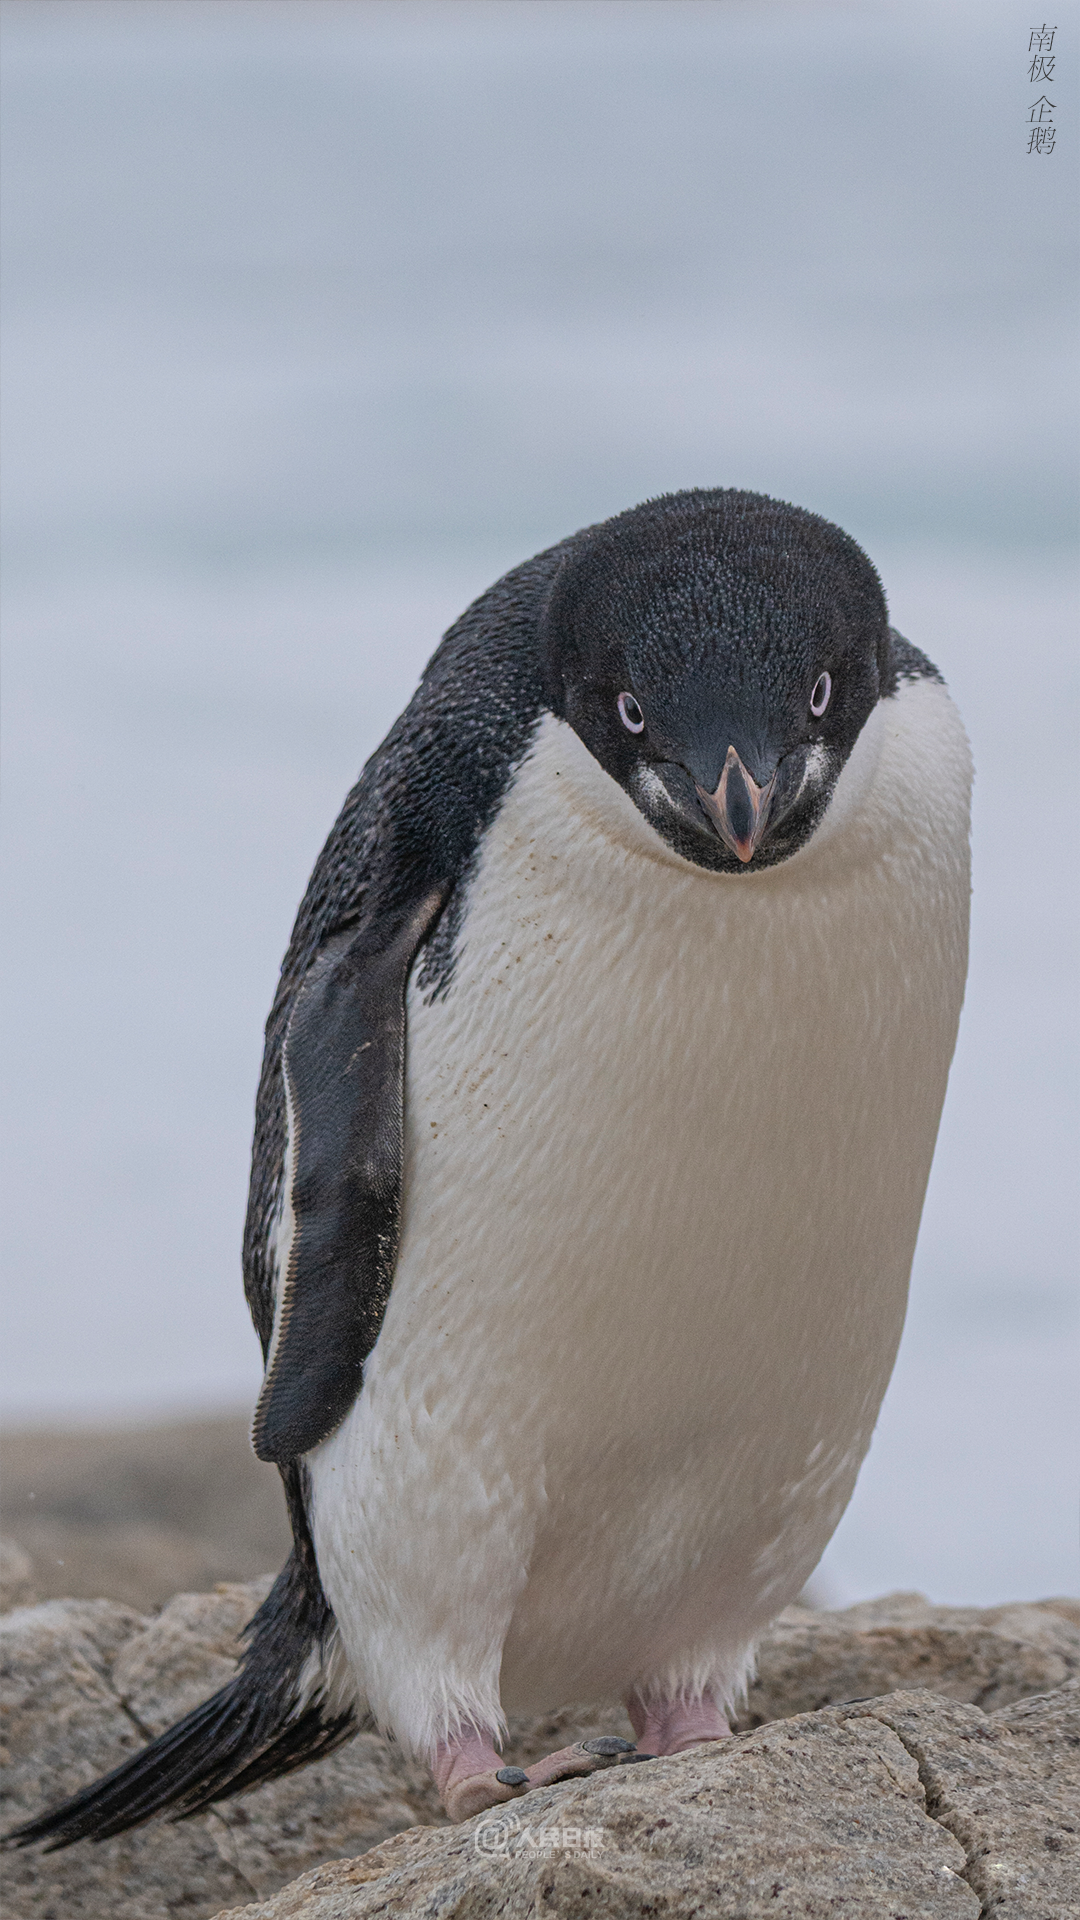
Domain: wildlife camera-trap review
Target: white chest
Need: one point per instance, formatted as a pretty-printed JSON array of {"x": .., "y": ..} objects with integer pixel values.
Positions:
[{"x": 667, "y": 1138}]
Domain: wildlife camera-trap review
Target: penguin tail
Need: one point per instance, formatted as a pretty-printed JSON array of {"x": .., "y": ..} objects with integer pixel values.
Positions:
[{"x": 291, "y": 1701}]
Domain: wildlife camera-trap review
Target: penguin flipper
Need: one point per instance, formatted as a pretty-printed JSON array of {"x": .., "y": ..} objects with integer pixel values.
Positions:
[{"x": 343, "y": 1063}]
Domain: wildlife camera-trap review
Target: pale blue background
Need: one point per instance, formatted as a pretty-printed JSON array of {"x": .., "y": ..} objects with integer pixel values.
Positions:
[{"x": 318, "y": 317}]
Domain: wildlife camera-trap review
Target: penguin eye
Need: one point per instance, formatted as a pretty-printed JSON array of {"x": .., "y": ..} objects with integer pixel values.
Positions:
[
  {"x": 819, "y": 699},
  {"x": 630, "y": 713}
]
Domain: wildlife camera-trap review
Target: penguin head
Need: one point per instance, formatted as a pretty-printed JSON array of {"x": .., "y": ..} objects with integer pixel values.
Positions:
[{"x": 719, "y": 654}]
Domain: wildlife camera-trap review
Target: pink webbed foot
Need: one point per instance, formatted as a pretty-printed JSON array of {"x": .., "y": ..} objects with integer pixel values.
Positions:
[
  {"x": 674, "y": 1726},
  {"x": 466, "y": 1770},
  {"x": 470, "y": 1776}
]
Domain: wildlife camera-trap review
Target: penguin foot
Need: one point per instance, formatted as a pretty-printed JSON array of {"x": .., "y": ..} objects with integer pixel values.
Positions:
[
  {"x": 466, "y": 1769},
  {"x": 666, "y": 1726},
  {"x": 475, "y": 1795},
  {"x": 470, "y": 1778}
]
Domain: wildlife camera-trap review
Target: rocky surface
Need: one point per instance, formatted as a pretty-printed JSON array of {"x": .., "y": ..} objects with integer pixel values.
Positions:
[
  {"x": 85, "y": 1681},
  {"x": 139, "y": 1513},
  {"x": 16, "y": 1576},
  {"x": 986, "y": 1655},
  {"x": 906, "y": 1806}
]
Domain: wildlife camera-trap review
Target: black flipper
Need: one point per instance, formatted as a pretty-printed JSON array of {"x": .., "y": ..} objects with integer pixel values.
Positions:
[
  {"x": 269, "y": 1719},
  {"x": 344, "y": 1061}
]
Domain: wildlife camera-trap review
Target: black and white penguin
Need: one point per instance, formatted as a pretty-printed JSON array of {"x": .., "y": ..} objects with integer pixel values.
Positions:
[{"x": 598, "y": 1105}]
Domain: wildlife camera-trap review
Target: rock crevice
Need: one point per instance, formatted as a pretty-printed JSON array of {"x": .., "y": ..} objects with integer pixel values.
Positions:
[
  {"x": 938, "y": 1809},
  {"x": 895, "y": 1758},
  {"x": 1007, "y": 1787}
]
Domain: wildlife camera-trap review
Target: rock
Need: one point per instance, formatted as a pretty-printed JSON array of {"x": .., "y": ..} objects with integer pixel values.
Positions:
[
  {"x": 988, "y": 1655},
  {"x": 87, "y": 1681},
  {"x": 1008, "y": 1787},
  {"x": 187, "y": 1652},
  {"x": 909, "y": 1806},
  {"x": 63, "y": 1725},
  {"x": 16, "y": 1576},
  {"x": 1067, "y": 1608},
  {"x": 140, "y": 1513}
]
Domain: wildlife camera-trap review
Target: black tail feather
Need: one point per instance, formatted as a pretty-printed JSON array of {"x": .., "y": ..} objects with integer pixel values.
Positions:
[{"x": 256, "y": 1728}]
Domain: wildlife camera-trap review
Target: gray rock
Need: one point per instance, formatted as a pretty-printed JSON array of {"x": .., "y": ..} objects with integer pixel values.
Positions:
[
  {"x": 1008, "y": 1787},
  {"x": 63, "y": 1725},
  {"x": 910, "y": 1806},
  {"x": 988, "y": 1655},
  {"x": 140, "y": 1513},
  {"x": 172, "y": 1662},
  {"x": 16, "y": 1576},
  {"x": 86, "y": 1681}
]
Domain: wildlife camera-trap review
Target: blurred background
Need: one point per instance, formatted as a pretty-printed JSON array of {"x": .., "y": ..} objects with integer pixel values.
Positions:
[{"x": 319, "y": 316}]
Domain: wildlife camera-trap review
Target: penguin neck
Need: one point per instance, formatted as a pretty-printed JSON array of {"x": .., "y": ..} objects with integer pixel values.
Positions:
[{"x": 586, "y": 804}]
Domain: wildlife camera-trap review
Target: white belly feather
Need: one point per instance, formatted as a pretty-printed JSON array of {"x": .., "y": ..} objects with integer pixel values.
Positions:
[{"x": 667, "y": 1139}]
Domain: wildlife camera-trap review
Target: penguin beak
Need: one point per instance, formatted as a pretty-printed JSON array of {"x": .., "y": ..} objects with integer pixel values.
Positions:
[{"x": 739, "y": 809}]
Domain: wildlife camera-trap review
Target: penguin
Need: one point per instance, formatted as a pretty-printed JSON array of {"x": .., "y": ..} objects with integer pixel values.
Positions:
[{"x": 598, "y": 1104}]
